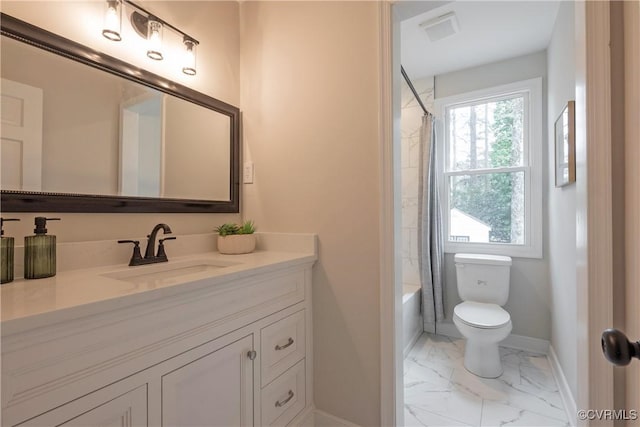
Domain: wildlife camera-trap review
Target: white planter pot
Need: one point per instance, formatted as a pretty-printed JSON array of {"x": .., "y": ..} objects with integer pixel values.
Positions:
[{"x": 236, "y": 244}]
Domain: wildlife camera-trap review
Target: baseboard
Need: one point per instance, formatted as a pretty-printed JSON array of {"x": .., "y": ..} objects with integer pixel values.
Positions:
[
  {"x": 565, "y": 391},
  {"x": 305, "y": 418},
  {"x": 323, "y": 419},
  {"x": 414, "y": 339},
  {"x": 519, "y": 342}
]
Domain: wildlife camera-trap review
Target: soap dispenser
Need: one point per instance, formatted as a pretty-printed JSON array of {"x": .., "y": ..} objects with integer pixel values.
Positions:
[
  {"x": 6, "y": 271},
  {"x": 40, "y": 251}
]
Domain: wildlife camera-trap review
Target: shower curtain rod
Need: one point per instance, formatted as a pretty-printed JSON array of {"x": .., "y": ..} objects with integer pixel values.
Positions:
[{"x": 413, "y": 89}]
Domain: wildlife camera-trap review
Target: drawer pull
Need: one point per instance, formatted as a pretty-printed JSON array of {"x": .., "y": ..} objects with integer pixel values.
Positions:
[
  {"x": 282, "y": 347},
  {"x": 281, "y": 403}
]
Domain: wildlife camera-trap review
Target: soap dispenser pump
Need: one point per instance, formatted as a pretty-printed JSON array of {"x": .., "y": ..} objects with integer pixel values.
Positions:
[
  {"x": 40, "y": 251},
  {"x": 8, "y": 244}
]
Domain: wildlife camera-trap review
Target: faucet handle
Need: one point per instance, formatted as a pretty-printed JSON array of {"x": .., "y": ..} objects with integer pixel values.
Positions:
[
  {"x": 161, "y": 253},
  {"x": 136, "y": 257}
]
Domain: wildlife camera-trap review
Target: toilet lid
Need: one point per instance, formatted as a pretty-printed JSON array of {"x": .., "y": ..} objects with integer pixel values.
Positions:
[{"x": 481, "y": 315}]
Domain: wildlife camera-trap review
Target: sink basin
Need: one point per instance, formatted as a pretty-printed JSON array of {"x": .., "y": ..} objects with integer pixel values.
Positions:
[{"x": 158, "y": 275}]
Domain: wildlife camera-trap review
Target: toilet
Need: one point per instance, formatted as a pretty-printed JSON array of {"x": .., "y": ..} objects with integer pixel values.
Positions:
[{"x": 483, "y": 286}]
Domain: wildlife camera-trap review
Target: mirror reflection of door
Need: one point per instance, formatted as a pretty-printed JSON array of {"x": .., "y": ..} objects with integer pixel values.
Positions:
[
  {"x": 141, "y": 146},
  {"x": 21, "y": 136}
]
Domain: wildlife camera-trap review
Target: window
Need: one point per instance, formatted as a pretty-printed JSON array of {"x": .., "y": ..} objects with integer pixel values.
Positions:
[{"x": 491, "y": 164}]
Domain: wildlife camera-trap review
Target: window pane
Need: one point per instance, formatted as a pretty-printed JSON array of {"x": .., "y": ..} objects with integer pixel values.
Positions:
[
  {"x": 487, "y": 208},
  {"x": 487, "y": 134}
]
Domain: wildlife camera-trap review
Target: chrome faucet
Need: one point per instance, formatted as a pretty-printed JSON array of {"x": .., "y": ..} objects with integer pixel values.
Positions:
[{"x": 149, "y": 257}]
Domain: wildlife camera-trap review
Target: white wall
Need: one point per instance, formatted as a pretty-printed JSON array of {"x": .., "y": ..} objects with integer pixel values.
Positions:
[
  {"x": 562, "y": 201},
  {"x": 215, "y": 24},
  {"x": 310, "y": 100},
  {"x": 528, "y": 303}
]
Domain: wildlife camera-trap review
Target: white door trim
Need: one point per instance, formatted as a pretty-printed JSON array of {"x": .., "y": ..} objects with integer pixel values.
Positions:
[{"x": 391, "y": 390}]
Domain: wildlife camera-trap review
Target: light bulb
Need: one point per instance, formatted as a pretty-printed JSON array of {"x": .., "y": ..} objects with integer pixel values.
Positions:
[
  {"x": 155, "y": 39},
  {"x": 189, "y": 67},
  {"x": 112, "y": 21}
]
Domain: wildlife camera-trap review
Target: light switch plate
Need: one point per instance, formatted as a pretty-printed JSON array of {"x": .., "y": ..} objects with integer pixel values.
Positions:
[{"x": 247, "y": 173}]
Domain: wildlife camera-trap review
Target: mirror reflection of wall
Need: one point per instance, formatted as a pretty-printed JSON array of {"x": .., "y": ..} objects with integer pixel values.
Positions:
[{"x": 104, "y": 135}]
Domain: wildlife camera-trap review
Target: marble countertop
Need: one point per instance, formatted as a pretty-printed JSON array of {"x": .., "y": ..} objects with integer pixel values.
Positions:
[{"x": 75, "y": 293}]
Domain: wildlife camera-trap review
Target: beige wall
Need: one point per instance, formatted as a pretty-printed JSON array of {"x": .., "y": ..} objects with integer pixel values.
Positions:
[
  {"x": 214, "y": 24},
  {"x": 207, "y": 174},
  {"x": 310, "y": 99}
]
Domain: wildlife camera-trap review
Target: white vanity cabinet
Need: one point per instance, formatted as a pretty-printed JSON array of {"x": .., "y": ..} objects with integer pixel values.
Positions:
[{"x": 233, "y": 352}]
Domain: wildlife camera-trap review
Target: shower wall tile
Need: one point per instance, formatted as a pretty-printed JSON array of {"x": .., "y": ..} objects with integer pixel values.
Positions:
[
  {"x": 410, "y": 214},
  {"x": 410, "y": 182},
  {"x": 413, "y": 152},
  {"x": 411, "y": 272}
]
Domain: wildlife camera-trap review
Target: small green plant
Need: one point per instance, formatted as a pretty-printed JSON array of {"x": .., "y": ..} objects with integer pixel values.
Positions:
[
  {"x": 229, "y": 229},
  {"x": 247, "y": 227}
]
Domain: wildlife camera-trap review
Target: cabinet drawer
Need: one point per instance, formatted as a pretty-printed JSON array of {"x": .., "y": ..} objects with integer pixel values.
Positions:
[
  {"x": 103, "y": 408},
  {"x": 284, "y": 398},
  {"x": 282, "y": 345}
]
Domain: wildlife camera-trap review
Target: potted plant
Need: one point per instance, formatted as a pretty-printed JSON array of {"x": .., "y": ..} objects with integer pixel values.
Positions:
[{"x": 236, "y": 239}]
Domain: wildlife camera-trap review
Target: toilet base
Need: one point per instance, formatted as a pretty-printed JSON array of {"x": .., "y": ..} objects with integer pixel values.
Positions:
[{"x": 482, "y": 359}]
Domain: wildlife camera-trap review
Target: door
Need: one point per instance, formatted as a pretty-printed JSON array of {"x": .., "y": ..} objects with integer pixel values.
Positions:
[
  {"x": 614, "y": 344},
  {"x": 21, "y": 137},
  {"x": 214, "y": 390},
  {"x": 632, "y": 192}
]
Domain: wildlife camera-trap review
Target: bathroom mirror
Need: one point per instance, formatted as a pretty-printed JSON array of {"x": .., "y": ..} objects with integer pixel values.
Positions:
[{"x": 85, "y": 132}]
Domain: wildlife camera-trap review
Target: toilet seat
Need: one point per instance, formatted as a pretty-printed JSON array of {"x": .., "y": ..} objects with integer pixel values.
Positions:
[{"x": 481, "y": 315}]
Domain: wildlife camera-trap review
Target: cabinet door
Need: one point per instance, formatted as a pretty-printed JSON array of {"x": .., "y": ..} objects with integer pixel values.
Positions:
[
  {"x": 126, "y": 410},
  {"x": 214, "y": 390}
]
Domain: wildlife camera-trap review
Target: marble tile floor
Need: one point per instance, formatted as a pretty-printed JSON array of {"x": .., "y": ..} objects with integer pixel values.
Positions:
[{"x": 439, "y": 391}]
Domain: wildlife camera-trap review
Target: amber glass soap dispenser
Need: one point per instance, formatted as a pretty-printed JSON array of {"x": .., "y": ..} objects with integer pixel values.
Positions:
[
  {"x": 8, "y": 244},
  {"x": 40, "y": 251}
]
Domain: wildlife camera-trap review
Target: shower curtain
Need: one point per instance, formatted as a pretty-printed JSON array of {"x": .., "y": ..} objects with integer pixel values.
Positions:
[{"x": 430, "y": 232}]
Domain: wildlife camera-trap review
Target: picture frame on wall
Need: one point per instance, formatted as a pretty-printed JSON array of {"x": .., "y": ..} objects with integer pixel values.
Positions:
[{"x": 565, "y": 146}]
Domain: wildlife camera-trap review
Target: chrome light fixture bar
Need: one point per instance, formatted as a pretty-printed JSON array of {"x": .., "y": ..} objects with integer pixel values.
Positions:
[{"x": 150, "y": 27}]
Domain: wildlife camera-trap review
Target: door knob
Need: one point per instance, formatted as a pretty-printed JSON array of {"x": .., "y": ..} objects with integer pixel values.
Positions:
[{"x": 618, "y": 349}]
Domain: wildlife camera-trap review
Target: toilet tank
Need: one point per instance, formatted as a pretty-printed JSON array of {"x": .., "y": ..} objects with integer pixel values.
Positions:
[{"x": 483, "y": 278}]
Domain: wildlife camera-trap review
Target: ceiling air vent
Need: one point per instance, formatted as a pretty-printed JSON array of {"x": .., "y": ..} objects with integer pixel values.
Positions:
[{"x": 441, "y": 27}]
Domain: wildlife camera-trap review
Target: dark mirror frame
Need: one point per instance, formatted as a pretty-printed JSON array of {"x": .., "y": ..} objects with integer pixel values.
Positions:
[{"x": 26, "y": 201}]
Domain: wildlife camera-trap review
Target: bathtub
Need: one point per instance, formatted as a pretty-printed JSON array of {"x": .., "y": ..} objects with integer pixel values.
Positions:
[{"x": 411, "y": 316}]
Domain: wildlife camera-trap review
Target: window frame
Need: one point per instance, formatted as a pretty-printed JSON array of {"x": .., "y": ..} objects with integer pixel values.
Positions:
[{"x": 532, "y": 167}]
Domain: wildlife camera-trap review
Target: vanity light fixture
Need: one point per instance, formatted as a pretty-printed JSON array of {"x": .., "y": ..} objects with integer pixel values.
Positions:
[
  {"x": 112, "y": 20},
  {"x": 155, "y": 39},
  {"x": 149, "y": 27},
  {"x": 189, "y": 67}
]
